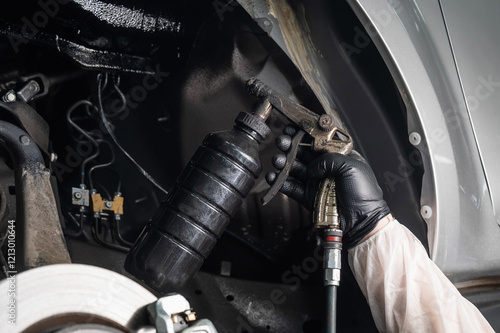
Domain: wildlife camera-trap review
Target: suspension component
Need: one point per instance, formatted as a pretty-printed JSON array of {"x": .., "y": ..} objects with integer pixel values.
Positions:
[{"x": 197, "y": 210}]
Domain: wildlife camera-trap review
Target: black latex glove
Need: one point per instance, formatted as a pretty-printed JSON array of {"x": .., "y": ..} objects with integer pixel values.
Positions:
[{"x": 359, "y": 197}]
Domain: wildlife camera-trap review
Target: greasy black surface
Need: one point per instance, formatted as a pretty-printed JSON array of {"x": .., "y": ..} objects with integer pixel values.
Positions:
[{"x": 125, "y": 35}]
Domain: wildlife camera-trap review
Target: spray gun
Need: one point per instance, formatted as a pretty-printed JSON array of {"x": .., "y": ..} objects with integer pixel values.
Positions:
[
  {"x": 326, "y": 138},
  {"x": 209, "y": 191}
]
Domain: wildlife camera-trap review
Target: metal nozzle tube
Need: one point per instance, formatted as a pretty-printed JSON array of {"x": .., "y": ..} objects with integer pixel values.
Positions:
[{"x": 264, "y": 110}]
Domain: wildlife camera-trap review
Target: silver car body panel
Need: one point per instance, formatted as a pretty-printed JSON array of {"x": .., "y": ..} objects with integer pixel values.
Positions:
[
  {"x": 463, "y": 234},
  {"x": 413, "y": 39},
  {"x": 473, "y": 32}
]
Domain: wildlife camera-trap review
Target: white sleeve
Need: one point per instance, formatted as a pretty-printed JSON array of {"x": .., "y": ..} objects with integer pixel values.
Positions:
[{"x": 405, "y": 290}]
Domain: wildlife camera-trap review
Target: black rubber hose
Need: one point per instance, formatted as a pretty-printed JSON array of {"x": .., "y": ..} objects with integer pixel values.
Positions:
[
  {"x": 95, "y": 231},
  {"x": 331, "y": 309}
]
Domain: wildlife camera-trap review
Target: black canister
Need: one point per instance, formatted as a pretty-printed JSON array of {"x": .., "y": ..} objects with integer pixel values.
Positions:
[{"x": 197, "y": 210}]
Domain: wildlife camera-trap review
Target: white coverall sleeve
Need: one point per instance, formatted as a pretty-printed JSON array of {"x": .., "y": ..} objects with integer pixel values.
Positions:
[{"x": 405, "y": 290}]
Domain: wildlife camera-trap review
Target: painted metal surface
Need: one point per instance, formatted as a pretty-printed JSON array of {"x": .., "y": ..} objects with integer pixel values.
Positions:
[
  {"x": 412, "y": 38},
  {"x": 473, "y": 31}
]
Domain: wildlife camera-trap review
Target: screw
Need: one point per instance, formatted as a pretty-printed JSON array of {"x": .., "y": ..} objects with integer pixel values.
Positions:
[
  {"x": 326, "y": 122},
  {"x": 108, "y": 204},
  {"x": 25, "y": 140},
  {"x": 306, "y": 124},
  {"x": 77, "y": 195}
]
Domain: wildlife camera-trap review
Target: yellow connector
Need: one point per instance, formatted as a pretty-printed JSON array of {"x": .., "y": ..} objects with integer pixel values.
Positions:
[{"x": 99, "y": 205}]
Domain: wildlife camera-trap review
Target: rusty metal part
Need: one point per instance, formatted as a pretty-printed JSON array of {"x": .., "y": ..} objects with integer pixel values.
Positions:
[
  {"x": 264, "y": 110},
  {"x": 40, "y": 238},
  {"x": 334, "y": 140},
  {"x": 287, "y": 24}
]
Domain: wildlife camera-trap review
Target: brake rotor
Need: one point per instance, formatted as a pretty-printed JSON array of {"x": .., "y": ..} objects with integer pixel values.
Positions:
[{"x": 56, "y": 297}]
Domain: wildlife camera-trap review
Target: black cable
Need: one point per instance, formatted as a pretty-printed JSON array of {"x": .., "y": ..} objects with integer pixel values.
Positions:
[
  {"x": 115, "y": 140},
  {"x": 98, "y": 239},
  {"x": 85, "y": 134},
  {"x": 79, "y": 225},
  {"x": 119, "y": 236}
]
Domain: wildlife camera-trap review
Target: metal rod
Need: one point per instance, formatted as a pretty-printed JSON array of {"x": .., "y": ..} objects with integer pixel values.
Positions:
[{"x": 331, "y": 308}]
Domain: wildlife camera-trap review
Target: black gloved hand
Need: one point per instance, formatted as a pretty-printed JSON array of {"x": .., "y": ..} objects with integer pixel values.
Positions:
[{"x": 359, "y": 197}]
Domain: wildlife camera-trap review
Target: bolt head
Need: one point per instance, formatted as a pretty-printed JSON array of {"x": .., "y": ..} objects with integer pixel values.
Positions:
[
  {"x": 77, "y": 195},
  {"x": 326, "y": 122},
  {"x": 306, "y": 124},
  {"x": 108, "y": 204},
  {"x": 10, "y": 96}
]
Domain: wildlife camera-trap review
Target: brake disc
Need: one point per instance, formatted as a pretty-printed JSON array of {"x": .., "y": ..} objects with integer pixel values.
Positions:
[{"x": 56, "y": 297}]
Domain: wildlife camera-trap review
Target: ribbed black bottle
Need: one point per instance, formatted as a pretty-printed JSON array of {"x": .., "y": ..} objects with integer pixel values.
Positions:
[{"x": 197, "y": 210}]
